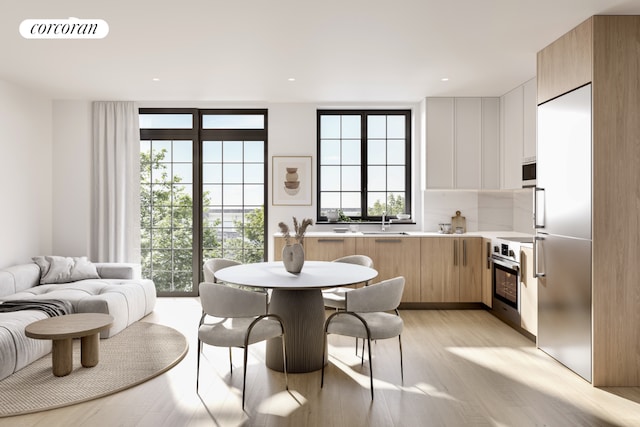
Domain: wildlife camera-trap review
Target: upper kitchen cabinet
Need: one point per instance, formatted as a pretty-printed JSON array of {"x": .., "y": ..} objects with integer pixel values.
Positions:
[
  {"x": 529, "y": 120},
  {"x": 566, "y": 63},
  {"x": 518, "y": 112},
  {"x": 462, "y": 143}
]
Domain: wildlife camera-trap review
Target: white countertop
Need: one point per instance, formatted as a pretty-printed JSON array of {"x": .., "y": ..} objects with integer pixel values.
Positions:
[{"x": 392, "y": 233}]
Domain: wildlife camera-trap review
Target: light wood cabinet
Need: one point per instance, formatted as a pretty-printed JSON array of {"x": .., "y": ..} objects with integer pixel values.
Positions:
[
  {"x": 451, "y": 269},
  {"x": 320, "y": 248},
  {"x": 462, "y": 143},
  {"x": 436, "y": 269},
  {"x": 487, "y": 279},
  {"x": 528, "y": 292},
  {"x": 604, "y": 51},
  {"x": 392, "y": 257},
  {"x": 567, "y": 63},
  {"x": 470, "y": 265}
]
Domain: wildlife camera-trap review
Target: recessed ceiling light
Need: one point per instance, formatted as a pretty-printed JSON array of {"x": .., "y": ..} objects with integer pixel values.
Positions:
[
  {"x": 444, "y": 79},
  {"x": 291, "y": 79},
  {"x": 155, "y": 79}
]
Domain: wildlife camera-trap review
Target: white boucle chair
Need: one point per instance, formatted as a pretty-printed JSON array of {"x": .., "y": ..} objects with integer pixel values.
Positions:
[
  {"x": 234, "y": 317},
  {"x": 334, "y": 297},
  {"x": 366, "y": 316}
]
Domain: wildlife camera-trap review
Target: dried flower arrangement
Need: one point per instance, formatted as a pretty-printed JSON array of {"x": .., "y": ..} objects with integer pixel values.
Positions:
[{"x": 300, "y": 229}]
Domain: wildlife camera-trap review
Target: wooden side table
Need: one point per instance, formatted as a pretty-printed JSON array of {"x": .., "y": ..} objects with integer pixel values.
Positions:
[{"x": 63, "y": 329}]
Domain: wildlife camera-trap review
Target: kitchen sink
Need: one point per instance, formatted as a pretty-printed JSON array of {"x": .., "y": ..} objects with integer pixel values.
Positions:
[{"x": 386, "y": 233}]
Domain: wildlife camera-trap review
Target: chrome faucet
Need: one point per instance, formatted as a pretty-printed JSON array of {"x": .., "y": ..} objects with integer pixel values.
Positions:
[{"x": 384, "y": 215}]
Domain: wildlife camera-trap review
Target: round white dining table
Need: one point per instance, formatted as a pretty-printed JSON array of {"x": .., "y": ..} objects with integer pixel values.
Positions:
[{"x": 297, "y": 298}]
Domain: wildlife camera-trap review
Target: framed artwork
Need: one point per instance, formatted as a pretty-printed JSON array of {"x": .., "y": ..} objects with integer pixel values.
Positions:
[{"x": 291, "y": 180}]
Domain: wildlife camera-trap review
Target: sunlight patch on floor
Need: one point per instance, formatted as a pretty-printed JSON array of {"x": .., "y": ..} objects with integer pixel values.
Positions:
[
  {"x": 544, "y": 375},
  {"x": 282, "y": 404},
  {"x": 431, "y": 391}
]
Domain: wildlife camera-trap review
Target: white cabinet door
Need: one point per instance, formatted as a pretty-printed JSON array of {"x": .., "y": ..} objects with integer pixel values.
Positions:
[
  {"x": 468, "y": 142},
  {"x": 491, "y": 143},
  {"x": 512, "y": 113},
  {"x": 440, "y": 143},
  {"x": 462, "y": 143},
  {"x": 530, "y": 105}
]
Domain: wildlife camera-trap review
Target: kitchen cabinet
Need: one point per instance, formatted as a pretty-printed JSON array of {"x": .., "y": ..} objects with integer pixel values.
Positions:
[
  {"x": 529, "y": 120},
  {"x": 320, "y": 248},
  {"x": 462, "y": 143},
  {"x": 603, "y": 50},
  {"x": 528, "y": 292},
  {"x": 487, "y": 278},
  {"x": 451, "y": 269},
  {"x": 490, "y": 143},
  {"x": 392, "y": 257},
  {"x": 518, "y": 111},
  {"x": 512, "y": 138}
]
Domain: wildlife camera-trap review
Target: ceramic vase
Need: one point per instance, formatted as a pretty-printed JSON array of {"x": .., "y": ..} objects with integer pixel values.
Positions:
[{"x": 293, "y": 258}]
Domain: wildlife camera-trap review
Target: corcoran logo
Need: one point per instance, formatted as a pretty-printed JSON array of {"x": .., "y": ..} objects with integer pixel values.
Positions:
[{"x": 70, "y": 28}]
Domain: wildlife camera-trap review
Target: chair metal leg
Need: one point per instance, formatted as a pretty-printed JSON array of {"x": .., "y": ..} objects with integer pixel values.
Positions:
[
  {"x": 244, "y": 375},
  {"x": 401, "y": 368},
  {"x": 230, "y": 362},
  {"x": 198, "y": 364},
  {"x": 370, "y": 366},
  {"x": 362, "y": 353}
]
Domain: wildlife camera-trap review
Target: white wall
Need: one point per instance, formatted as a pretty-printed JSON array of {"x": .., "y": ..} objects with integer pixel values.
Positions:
[
  {"x": 25, "y": 174},
  {"x": 292, "y": 132},
  {"x": 72, "y": 142}
]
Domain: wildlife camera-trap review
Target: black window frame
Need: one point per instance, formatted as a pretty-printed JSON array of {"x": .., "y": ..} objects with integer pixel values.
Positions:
[
  {"x": 364, "y": 114},
  {"x": 197, "y": 134}
]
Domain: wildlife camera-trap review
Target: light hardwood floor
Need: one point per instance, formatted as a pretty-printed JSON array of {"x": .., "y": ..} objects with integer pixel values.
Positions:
[{"x": 462, "y": 368}]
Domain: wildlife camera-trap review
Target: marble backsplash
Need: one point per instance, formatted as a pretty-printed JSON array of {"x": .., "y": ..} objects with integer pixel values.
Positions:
[{"x": 504, "y": 210}]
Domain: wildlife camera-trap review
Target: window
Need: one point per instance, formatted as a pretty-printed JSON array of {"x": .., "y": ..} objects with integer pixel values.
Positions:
[
  {"x": 202, "y": 175},
  {"x": 364, "y": 166}
]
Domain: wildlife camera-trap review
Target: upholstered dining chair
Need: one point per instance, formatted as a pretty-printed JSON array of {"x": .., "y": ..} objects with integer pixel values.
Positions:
[
  {"x": 234, "y": 317},
  {"x": 335, "y": 297},
  {"x": 367, "y": 316},
  {"x": 212, "y": 265}
]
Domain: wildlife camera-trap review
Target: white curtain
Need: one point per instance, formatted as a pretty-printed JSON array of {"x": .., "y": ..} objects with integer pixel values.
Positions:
[{"x": 115, "y": 208}]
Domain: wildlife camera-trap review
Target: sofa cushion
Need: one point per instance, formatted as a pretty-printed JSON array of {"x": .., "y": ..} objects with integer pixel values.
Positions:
[
  {"x": 16, "y": 348},
  {"x": 18, "y": 278},
  {"x": 58, "y": 269}
]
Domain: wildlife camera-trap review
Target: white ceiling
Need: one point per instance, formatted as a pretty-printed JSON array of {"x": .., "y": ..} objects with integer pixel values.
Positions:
[{"x": 339, "y": 51}]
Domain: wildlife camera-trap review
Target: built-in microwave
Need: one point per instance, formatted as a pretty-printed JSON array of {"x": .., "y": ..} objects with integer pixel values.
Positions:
[{"x": 529, "y": 174}]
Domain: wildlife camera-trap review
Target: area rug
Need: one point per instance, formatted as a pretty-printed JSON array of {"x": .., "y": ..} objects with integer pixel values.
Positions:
[{"x": 140, "y": 352}]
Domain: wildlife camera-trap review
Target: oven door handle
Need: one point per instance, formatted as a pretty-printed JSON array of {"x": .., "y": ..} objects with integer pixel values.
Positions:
[{"x": 507, "y": 264}]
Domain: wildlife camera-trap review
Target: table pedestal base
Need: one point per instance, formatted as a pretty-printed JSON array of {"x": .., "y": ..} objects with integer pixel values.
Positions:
[{"x": 302, "y": 312}]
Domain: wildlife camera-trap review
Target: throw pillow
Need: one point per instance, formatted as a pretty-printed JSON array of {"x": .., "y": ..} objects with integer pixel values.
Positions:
[{"x": 58, "y": 269}]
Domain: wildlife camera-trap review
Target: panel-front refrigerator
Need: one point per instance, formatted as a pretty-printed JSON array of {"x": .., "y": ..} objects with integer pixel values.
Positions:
[{"x": 562, "y": 216}]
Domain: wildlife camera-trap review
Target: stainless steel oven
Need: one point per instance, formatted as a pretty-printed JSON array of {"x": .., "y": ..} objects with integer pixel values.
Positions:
[{"x": 505, "y": 271}]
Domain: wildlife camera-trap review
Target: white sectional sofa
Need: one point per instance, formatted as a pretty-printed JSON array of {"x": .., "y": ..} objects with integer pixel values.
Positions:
[{"x": 119, "y": 291}]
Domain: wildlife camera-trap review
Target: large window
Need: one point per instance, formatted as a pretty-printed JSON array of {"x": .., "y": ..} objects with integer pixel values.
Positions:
[
  {"x": 202, "y": 194},
  {"x": 364, "y": 166}
]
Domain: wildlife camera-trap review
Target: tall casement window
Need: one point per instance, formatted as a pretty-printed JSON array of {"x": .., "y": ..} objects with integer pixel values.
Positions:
[
  {"x": 202, "y": 176},
  {"x": 364, "y": 166}
]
